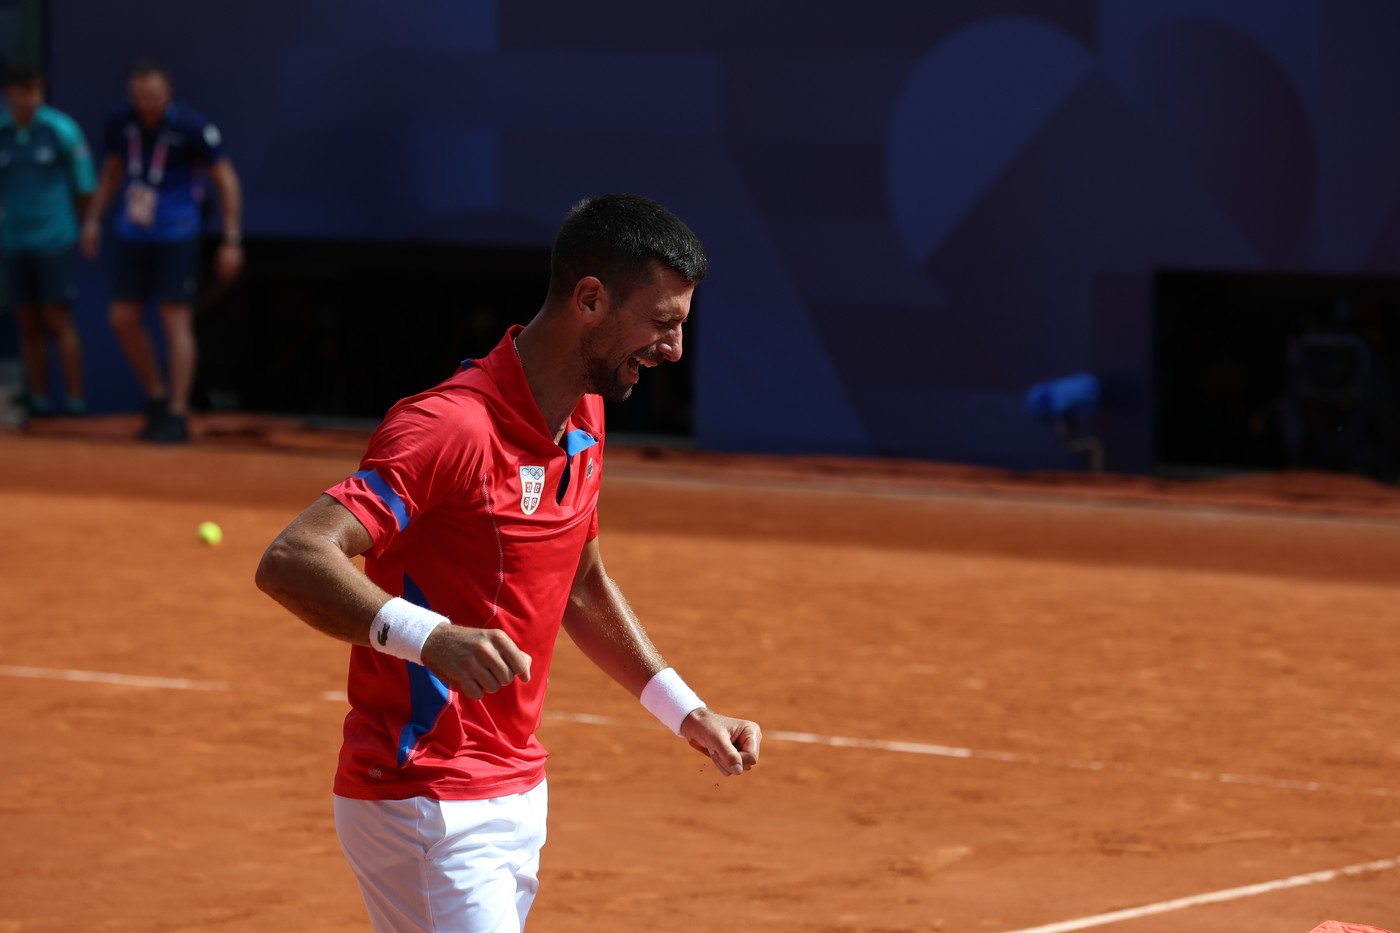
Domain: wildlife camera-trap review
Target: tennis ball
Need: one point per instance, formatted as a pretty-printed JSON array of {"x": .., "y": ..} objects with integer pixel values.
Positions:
[{"x": 210, "y": 533}]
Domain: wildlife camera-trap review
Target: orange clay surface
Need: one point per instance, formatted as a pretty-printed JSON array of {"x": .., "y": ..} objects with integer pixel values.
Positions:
[{"x": 992, "y": 702}]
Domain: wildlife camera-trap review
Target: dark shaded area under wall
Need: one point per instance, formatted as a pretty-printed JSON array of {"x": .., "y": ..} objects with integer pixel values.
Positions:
[
  {"x": 1278, "y": 371},
  {"x": 342, "y": 330}
]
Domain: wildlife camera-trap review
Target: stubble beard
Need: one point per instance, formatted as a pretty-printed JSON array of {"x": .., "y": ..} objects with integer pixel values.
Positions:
[
  {"x": 607, "y": 383},
  {"x": 603, "y": 379}
]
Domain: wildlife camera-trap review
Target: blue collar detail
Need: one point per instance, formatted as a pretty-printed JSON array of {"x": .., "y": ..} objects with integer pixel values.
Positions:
[{"x": 577, "y": 440}]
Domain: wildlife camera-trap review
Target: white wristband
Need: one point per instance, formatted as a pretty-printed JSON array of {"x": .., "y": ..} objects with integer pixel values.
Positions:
[
  {"x": 401, "y": 629},
  {"x": 668, "y": 699}
]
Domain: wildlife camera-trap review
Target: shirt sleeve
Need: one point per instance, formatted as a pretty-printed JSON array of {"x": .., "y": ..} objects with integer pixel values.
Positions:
[
  {"x": 207, "y": 143},
  {"x": 412, "y": 463}
]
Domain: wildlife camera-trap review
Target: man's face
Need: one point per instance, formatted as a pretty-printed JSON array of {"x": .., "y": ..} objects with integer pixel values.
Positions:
[
  {"x": 150, "y": 95},
  {"x": 24, "y": 99},
  {"x": 644, "y": 330}
]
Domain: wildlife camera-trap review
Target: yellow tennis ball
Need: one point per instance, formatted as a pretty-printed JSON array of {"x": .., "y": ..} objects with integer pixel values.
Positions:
[{"x": 210, "y": 533}]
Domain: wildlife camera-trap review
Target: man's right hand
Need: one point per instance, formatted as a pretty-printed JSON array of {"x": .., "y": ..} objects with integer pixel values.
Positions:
[
  {"x": 91, "y": 239},
  {"x": 474, "y": 661}
]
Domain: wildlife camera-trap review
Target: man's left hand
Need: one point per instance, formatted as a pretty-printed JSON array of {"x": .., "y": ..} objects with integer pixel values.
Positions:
[{"x": 732, "y": 744}]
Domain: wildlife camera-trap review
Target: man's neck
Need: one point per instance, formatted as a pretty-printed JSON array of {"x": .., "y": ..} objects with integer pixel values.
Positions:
[
  {"x": 154, "y": 124},
  {"x": 555, "y": 397}
]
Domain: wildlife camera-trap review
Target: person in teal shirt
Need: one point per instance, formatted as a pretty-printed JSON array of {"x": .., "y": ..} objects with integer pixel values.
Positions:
[{"x": 46, "y": 178}]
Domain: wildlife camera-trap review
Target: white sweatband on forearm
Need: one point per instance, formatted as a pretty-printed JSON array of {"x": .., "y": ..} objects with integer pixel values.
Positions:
[
  {"x": 401, "y": 629},
  {"x": 668, "y": 699}
]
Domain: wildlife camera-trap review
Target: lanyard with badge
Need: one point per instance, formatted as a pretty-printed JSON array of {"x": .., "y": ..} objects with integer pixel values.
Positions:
[{"x": 141, "y": 194}]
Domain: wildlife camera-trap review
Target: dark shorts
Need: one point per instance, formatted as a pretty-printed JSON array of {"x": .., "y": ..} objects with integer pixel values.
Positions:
[
  {"x": 165, "y": 272},
  {"x": 40, "y": 280}
]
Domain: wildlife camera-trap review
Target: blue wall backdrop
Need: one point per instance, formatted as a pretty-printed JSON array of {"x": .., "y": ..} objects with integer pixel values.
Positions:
[{"x": 914, "y": 211}]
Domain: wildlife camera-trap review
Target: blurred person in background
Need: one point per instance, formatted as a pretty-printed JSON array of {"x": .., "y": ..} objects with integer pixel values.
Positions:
[
  {"x": 46, "y": 180},
  {"x": 157, "y": 155}
]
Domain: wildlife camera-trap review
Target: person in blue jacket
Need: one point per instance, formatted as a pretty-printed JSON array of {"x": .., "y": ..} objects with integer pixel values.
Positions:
[{"x": 158, "y": 155}]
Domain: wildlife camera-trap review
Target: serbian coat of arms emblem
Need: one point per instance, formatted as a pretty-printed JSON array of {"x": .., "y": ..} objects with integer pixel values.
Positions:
[{"x": 531, "y": 488}]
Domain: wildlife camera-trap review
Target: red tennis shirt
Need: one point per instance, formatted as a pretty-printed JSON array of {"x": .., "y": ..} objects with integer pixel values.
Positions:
[{"x": 476, "y": 513}]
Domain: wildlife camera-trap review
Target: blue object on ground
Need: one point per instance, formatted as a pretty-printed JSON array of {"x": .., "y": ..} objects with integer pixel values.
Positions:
[{"x": 1068, "y": 397}]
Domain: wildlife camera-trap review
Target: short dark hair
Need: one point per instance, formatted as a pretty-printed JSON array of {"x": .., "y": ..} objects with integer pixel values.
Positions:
[
  {"x": 22, "y": 73},
  {"x": 616, "y": 238},
  {"x": 148, "y": 66}
]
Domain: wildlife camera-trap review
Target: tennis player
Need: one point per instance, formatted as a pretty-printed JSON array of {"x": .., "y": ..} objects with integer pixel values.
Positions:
[{"x": 475, "y": 507}]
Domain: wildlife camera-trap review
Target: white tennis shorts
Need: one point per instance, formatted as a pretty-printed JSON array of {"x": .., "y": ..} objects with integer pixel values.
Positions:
[{"x": 447, "y": 866}]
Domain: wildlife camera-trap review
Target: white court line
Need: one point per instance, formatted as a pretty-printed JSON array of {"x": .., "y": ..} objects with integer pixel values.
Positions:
[
  {"x": 953, "y": 751},
  {"x": 805, "y": 738},
  {"x": 913, "y": 748},
  {"x": 946, "y": 751},
  {"x": 1214, "y": 897},
  {"x": 123, "y": 680}
]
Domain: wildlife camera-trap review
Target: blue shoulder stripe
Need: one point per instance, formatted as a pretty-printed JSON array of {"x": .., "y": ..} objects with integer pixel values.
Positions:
[{"x": 386, "y": 495}]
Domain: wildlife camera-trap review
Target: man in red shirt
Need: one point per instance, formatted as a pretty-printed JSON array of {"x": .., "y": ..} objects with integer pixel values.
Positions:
[{"x": 476, "y": 511}]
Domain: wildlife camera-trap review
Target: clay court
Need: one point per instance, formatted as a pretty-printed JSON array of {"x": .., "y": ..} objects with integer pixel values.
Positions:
[{"x": 992, "y": 702}]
